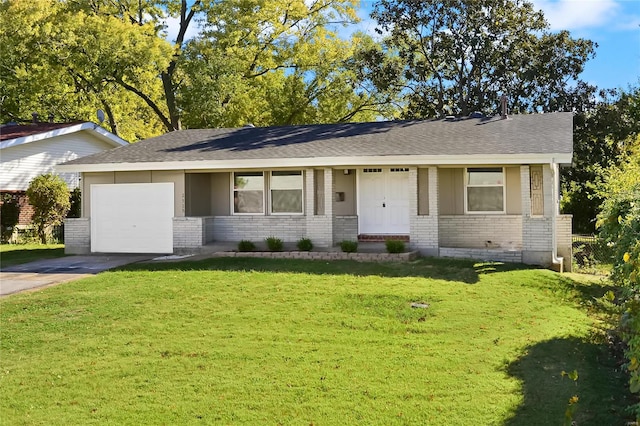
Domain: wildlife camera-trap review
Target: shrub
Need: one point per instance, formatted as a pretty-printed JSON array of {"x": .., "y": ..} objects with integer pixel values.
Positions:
[
  {"x": 76, "y": 204},
  {"x": 349, "y": 246},
  {"x": 394, "y": 246},
  {"x": 49, "y": 196},
  {"x": 9, "y": 214},
  {"x": 246, "y": 245},
  {"x": 274, "y": 244},
  {"x": 305, "y": 244}
]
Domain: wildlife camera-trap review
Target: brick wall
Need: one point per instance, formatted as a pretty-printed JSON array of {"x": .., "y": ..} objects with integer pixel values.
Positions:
[
  {"x": 536, "y": 233},
  {"x": 26, "y": 209},
  {"x": 423, "y": 229},
  {"x": 563, "y": 239},
  {"x": 188, "y": 231},
  {"x": 510, "y": 256},
  {"x": 257, "y": 228},
  {"x": 345, "y": 228},
  {"x": 474, "y": 231},
  {"x": 77, "y": 236}
]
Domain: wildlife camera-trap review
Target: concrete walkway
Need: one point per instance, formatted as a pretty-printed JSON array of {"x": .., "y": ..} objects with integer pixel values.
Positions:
[{"x": 43, "y": 273}]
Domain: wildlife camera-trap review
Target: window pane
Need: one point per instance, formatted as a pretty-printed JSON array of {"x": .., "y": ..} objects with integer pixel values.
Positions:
[
  {"x": 485, "y": 199},
  {"x": 286, "y": 180},
  {"x": 251, "y": 181},
  {"x": 486, "y": 176},
  {"x": 247, "y": 202},
  {"x": 286, "y": 201}
]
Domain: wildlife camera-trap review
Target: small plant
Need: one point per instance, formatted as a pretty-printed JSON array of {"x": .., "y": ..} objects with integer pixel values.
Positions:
[
  {"x": 305, "y": 244},
  {"x": 246, "y": 245},
  {"x": 394, "y": 246},
  {"x": 349, "y": 246},
  {"x": 274, "y": 244}
]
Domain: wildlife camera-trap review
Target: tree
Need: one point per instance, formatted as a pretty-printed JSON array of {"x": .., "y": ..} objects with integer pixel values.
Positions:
[
  {"x": 602, "y": 136},
  {"x": 265, "y": 62},
  {"x": 619, "y": 224},
  {"x": 460, "y": 56},
  {"x": 69, "y": 63},
  {"x": 49, "y": 196}
]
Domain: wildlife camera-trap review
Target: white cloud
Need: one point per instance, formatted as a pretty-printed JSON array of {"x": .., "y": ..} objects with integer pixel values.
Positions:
[{"x": 578, "y": 14}]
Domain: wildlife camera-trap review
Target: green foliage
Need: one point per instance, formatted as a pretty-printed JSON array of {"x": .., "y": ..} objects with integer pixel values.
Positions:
[
  {"x": 274, "y": 244},
  {"x": 394, "y": 246},
  {"x": 9, "y": 215},
  {"x": 601, "y": 138},
  {"x": 266, "y": 63},
  {"x": 349, "y": 246},
  {"x": 304, "y": 244},
  {"x": 78, "y": 58},
  {"x": 75, "y": 200},
  {"x": 619, "y": 223},
  {"x": 49, "y": 196},
  {"x": 460, "y": 56},
  {"x": 246, "y": 245}
]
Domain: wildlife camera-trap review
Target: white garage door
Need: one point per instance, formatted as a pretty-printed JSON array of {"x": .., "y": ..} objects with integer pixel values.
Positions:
[{"x": 132, "y": 218}]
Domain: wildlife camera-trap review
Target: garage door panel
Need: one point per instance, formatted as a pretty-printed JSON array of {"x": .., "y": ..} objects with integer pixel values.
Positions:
[{"x": 132, "y": 218}]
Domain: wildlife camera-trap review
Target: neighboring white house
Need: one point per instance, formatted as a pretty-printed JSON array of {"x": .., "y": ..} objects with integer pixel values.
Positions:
[
  {"x": 481, "y": 187},
  {"x": 29, "y": 150}
]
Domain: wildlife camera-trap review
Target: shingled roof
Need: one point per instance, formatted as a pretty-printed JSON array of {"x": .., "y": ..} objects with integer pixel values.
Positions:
[{"x": 519, "y": 134}]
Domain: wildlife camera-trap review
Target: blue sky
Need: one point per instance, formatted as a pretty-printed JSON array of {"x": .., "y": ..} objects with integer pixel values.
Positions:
[{"x": 613, "y": 24}]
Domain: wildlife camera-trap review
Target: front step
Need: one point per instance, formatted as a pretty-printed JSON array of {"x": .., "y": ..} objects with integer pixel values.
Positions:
[{"x": 381, "y": 238}]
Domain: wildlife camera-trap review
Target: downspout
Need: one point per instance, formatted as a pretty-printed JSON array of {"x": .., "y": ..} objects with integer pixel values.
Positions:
[{"x": 556, "y": 210}]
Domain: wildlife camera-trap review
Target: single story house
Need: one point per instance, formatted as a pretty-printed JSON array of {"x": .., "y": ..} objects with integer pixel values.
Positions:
[
  {"x": 29, "y": 150},
  {"x": 480, "y": 187}
]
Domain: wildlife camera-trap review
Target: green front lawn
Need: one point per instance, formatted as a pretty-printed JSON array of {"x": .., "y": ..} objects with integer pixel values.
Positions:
[
  {"x": 265, "y": 341},
  {"x": 14, "y": 254}
]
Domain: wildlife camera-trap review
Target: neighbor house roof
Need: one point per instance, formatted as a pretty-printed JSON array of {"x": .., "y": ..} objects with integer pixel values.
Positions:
[
  {"x": 17, "y": 134},
  {"x": 532, "y": 138}
]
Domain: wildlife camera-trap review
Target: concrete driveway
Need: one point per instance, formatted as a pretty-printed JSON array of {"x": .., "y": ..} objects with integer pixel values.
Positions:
[{"x": 43, "y": 273}]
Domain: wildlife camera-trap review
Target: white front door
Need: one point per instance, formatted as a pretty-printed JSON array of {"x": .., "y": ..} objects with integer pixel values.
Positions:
[{"x": 384, "y": 201}]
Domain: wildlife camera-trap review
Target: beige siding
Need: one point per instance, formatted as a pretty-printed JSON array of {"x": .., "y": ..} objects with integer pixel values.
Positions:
[
  {"x": 423, "y": 191},
  {"x": 220, "y": 194},
  {"x": 347, "y": 185},
  {"x": 319, "y": 188},
  {"x": 177, "y": 177},
  {"x": 198, "y": 194},
  {"x": 89, "y": 179},
  {"x": 451, "y": 191},
  {"x": 514, "y": 199},
  {"x": 133, "y": 177}
]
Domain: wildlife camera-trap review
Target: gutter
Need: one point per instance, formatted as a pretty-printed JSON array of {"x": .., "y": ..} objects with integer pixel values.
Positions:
[{"x": 555, "y": 171}]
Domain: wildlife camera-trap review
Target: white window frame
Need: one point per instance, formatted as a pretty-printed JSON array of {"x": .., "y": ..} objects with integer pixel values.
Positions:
[
  {"x": 267, "y": 205},
  {"x": 466, "y": 192},
  {"x": 234, "y": 189},
  {"x": 271, "y": 189}
]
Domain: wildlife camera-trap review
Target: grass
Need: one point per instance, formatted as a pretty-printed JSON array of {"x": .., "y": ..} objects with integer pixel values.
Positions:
[
  {"x": 269, "y": 341},
  {"x": 14, "y": 254}
]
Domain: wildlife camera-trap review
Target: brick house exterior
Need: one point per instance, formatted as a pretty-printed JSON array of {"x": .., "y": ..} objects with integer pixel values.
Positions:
[{"x": 475, "y": 187}]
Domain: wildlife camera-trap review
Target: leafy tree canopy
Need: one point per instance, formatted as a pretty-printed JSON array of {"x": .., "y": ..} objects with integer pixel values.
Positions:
[
  {"x": 460, "y": 56},
  {"x": 603, "y": 137},
  {"x": 264, "y": 62}
]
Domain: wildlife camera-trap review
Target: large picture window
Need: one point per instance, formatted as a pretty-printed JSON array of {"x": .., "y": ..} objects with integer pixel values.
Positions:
[
  {"x": 248, "y": 192},
  {"x": 485, "y": 190},
  {"x": 286, "y": 192}
]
